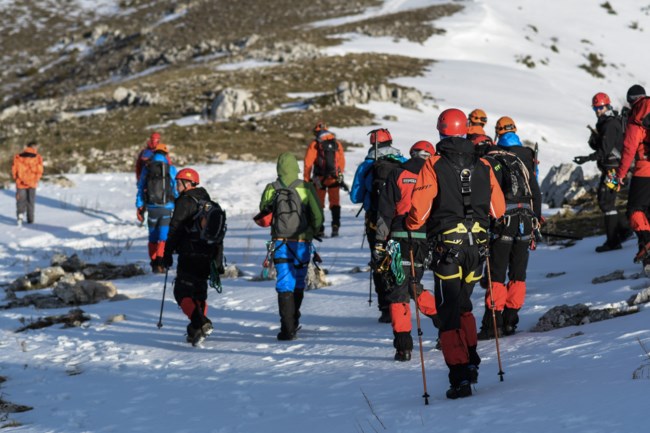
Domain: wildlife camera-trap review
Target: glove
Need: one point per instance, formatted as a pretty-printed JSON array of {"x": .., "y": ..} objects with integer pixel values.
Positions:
[
  {"x": 580, "y": 159},
  {"x": 378, "y": 254},
  {"x": 167, "y": 260},
  {"x": 612, "y": 182},
  {"x": 140, "y": 214}
]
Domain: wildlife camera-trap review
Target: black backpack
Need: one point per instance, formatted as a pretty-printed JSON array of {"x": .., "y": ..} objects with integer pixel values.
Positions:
[
  {"x": 380, "y": 170},
  {"x": 326, "y": 160},
  {"x": 209, "y": 222},
  {"x": 289, "y": 213},
  {"x": 515, "y": 178},
  {"x": 158, "y": 189}
]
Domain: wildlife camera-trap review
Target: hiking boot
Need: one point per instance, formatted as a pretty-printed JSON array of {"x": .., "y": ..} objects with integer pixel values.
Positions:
[
  {"x": 488, "y": 333},
  {"x": 19, "y": 221},
  {"x": 385, "y": 316},
  {"x": 464, "y": 389},
  {"x": 194, "y": 335},
  {"x": 606, "y": 247},
  {"x": 403, "y": 355},
  {"x": 282, "y": 336},
  {"x": 472, "y": 373},
  {"x": 335, "y": 231},
  {"x": 646, "y": 267}
]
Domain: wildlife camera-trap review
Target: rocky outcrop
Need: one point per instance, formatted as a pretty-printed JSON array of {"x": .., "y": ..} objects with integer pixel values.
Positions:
[
  {"x": 124, "y": 96},
  {"x": 563, "y": 184},
  {"x": 232, "y": 103},
  {"x": 352, "y": 93}
]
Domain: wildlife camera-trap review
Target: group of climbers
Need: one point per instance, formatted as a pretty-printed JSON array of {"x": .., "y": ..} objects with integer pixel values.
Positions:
[
  {"x": 467, "y": 208},
  {"x": 619, "y": 139}
]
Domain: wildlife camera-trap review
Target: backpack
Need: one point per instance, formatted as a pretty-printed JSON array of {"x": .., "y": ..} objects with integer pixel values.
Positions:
[
  {"x": 515, "y": 178},
  {"x": 326, "y": 159},
  {"x": 289, "y": 212},
  {"x": 380, "y": 170},
  {"x": 209, "y": 222},
  {"x": 158, "y": 188}
]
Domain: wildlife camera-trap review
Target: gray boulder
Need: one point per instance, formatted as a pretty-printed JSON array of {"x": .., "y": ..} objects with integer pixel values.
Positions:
[
  {"x": 85, "y": 292},
  {"x": 232, "y": 103},
  {"x": 563, "y": 184}
]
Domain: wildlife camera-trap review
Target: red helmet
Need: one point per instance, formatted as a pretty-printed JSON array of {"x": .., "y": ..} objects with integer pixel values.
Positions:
[
  {"x": 452, "y": 122},
  {"x": 480, "y": 140},
  {"x": 600, "y": 99},
  {"x": 422, "y": 146},
  {"x": 153, "y": 140},
  {"x": 188, "y": 174},
  {"x": 379, "y": 136}
]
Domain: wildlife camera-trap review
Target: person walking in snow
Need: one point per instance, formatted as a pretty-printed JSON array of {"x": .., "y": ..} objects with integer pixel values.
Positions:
[
  {"x": 26, "y": 170},
  {"x": 454, "y": 196},
  {"x": 326, "y": 159},
  {"x": 394, "y": 203},
  {"x": 369, "y": 180},
  {"x": 477, "y": 120},
  {"x": 636, "y": 147},
  {"x": 156, "y": 195},
  {"x": 607, "y": 143},
  {"x": 296, "y": 217},
  {"x": 147, "y": 153},
  {"x": 195, "y": 256},
  {"x": 512, "y": 235}
]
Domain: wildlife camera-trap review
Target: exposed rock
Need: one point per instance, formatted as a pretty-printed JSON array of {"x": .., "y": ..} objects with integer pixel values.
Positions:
[
  {"x": 232, "y": 103},
  {"x": 85, "y": 292},
  {"x": 74, "y": 318},
  {"x": 555, "y": 274},
  {"x": 71, "y": 264},
  {"x": 280, "y": 51},
  {"x": 109, "y": 271},
  {"x": 232, "y": 271},
  {"x": 563, "y": 184},
  {"x": 37, "y": 280},
  {"x": 640, "y": 298},
  {"x": 116, "y": 318},
  {"x": 352, "y": 94},
  {"x": 559, "y": 317},
  {"x": 124, "y": 96},
  {"x": 613, "y": 276}
]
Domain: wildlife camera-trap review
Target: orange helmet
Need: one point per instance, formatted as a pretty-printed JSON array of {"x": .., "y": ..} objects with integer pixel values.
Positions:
[
  {"x": 160, "y": 147},
  {"x": 380, "y": 136},
  {"x": 600, "y": 99},
  {"x": 320, "y": 126},
  {"x": 478, "y": 117},
  {"x": 188, "y": 174},
  {"x": 505, "y": 124},
  {"x": 452, "y": 122}
]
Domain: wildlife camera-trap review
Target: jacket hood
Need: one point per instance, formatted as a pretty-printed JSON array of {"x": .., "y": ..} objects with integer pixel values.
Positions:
[
  {"x": 287, "y": 168},
  {"x": 31, "y": 150},
  {"x": 509, "y": 139},
  {"x": 383, "y": 151},
  {"x": 455, "y": 144}
]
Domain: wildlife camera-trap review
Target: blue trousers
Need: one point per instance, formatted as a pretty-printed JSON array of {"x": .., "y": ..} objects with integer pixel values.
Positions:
[{"x": 291, "y": 259}]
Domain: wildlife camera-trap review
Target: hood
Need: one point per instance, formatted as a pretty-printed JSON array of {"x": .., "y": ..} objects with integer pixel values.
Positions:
[
  {"x": 455, "y": 144},
  {"x": 287, "y": 168},
  {"x": 475, "y": 129},
  {"x": 509, "y": 139},
  {"x": 383, "y": 151}
]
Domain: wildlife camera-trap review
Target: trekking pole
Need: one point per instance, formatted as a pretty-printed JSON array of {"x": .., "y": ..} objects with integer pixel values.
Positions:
[
  {"x": 417, "y": 320},
  {"x": 370, "y": 288},
  {"x": 162, "y": 303},
  {"x": 494, "y": 318}
]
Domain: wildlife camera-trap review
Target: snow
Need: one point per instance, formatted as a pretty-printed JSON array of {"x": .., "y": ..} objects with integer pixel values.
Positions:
[{"x": 339, "y": 375}]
